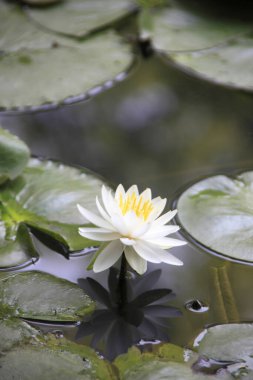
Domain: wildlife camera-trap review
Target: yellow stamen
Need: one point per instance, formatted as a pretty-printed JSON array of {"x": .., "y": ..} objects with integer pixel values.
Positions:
[{"x": 135, "y": 203}]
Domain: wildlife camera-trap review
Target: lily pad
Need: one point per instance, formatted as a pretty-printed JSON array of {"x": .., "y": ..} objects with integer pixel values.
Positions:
[
  {"x": 217, "y": 212},
  {"x": 179, "y": 28},
  {"x": 229, "y": 64},
  {"x": 45, "y": 198},
  {"x": 53, "y": 359},
  {"x": 13, "y": 332},
  {"x": 217, "y": 49},
  {"x": 230, "y": 343},
  {"x": 37, "y": 295},
  {"x": 157, "y": 366},
  {"x": 61, "y": 67},
  {"x": 80, "y": 17},
  {"x": 14, "y": 155}
]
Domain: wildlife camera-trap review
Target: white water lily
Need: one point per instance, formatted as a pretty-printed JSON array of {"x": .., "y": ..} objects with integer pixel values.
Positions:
[{"x": 131, "y": 223}]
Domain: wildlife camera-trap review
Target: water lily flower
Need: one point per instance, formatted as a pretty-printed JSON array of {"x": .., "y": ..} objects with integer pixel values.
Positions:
[{"x": 132, "y": 223}]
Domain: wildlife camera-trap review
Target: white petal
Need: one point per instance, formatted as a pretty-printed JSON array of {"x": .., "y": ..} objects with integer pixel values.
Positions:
[
  {"x": 98, "y": 236},
  {"x": 140, "y": 230},
  {"x": 135, "y": 261},
  {"x": 145, "y": 251},
  {"x": 165, "y": 218},
  {"x": 132, "y": 221},
  {"x": 161, "y": 254},
  {"x": 93, "y": 218},
  {"x": 132, "y": 190},
  {"x": 159, "y": 231},
  {"x": 108, "y": 200},
  {"x": 108, "y": 256},
  {"x": 146, "y": 195},
  {"x": 167, "y": 257},
  {"x": 166, "y": 242},
  {"x": 158, "y": 209},
  {"x": 120, "y": 191},
  {"x": 127, "y": 241},
  {"x": 119, "y": 224},
  {"x": 102, "y": 211}
]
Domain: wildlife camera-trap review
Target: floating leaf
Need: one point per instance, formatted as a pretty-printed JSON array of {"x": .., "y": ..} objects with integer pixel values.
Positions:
[
  {"x": 166, "y": 363},
  {"x": 218, "y": 49},
  {"x": 217, "y": 212},
  {"x": 45, "y": 198},
  {"x": 80, "y": 17},
  {"x": 61, "y": 67},
  {"x": 14, "y": 331},
  {"x": 178, "y": 28},
  {"x": 19, "y": 251},
  {"x": 37, "y": 295},
  {"x": 229, "y": 64},
  {"x": 228, "y": 342},
  {"x": 14, "y": 155},
  {"x": 49, "y": 358}
]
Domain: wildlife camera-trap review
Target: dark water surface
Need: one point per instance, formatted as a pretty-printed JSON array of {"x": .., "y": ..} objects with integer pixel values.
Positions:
[{"x": 160, "y": 128}]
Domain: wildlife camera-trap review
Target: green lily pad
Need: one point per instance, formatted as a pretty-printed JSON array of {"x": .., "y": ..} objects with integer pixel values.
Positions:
[
  {"x": 230, "y": 342},
  {"x": 80, "y": 17},
  {"x": 217, "y": 212},
  {"x": 216, "y": 49},
  {"x": 14, "y": 155},
  {"x": 13, "y": 332},
  {"x": 229, "y": 64},
  {"x": 178, "y": 28},
  {"x": 50, "y": 358},
  {"x": 45, "y": 198},
  {"x": 167, "y": 363},
  {"x": 19, "y": 251},
  {"x": 37, "y": 295},
  {"x": 62, "y": 68}
]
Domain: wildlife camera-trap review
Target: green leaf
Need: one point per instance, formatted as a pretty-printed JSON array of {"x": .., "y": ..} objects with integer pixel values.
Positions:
[
  {"x": 44, "y": 198},
  {"x": 37, "y": 295},
  {"x": 217, "y": 49},
  {"x": 61, "y": 67},
  {"x": 217, "y": 212},
  {"x": 14, "y": 155},
  {"x": 230, "y": 342},
  {"x": 166, "y": 363},
  {"x": 13, "y": 332},
  {"x": 80, "y": 17},
  {"x": 229, "y": 64},
  {"x": 51, "y": 358},
  {"x": 19, "y": 251},
  {"x": 180, "y": 28}
]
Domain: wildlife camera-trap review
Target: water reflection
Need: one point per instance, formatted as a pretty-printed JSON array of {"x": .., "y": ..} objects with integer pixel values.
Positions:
[{"x": 141, "y": 316}]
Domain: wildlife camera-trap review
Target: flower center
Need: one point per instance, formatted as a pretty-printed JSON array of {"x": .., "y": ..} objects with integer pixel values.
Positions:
[{"x": 133, "y": 202}]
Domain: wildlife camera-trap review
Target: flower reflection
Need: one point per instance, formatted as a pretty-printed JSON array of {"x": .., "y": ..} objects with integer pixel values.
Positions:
[{"x": 118, "y": 323}]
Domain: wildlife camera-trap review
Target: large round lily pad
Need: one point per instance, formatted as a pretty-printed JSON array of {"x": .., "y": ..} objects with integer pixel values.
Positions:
[
  {"x": 50, "y": 358},
  {"x": 79, "y": 17},
  {"x": 45, "y": 198},
  {"x": 216, "y": 48},
  {"x": 14, "y": 331},
  {"x": 37, "y": 295},
  {"x": 218, "y": 213},
  {"x": 231, "y": 342},
  {"x": 60, "y": 67},
  {"x": 168, "y": 362}
]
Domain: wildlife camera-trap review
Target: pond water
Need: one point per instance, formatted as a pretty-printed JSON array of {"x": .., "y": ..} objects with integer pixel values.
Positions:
[{"x": 160, "y": 128}]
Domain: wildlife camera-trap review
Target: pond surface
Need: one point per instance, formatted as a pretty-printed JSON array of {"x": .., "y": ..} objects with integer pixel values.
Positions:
[{"x": 159, "y": 128}]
